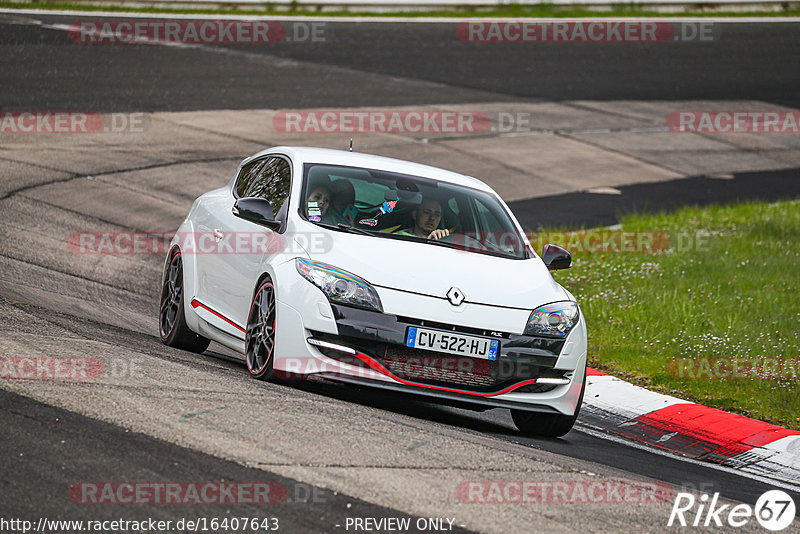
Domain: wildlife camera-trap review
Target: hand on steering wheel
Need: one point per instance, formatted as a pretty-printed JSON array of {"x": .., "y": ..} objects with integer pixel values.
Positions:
[{"x": 439, "y": 234}]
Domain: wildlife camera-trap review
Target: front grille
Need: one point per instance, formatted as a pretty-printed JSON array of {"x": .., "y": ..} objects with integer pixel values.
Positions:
[{"x": 437, "y": 369}]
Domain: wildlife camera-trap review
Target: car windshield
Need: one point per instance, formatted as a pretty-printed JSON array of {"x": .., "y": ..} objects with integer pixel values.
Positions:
[{"x": 398, "y": 206}]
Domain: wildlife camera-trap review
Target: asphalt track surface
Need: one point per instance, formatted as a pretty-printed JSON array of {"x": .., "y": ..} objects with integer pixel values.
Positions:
[
  {"x": 589, "y": 210},
  {"x": 39, "y": 70},
  {"x": 60, "y": 447},
  {"x": 43, "y": 67}
]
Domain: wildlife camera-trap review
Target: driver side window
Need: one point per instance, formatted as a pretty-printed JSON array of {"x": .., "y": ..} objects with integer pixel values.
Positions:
[
  {"x": 246, "y": 178},
  {"x": 268, "y": 178}
]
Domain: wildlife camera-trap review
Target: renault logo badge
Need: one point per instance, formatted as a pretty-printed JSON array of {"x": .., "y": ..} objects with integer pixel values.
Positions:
[{"x": 455, "y": 296}]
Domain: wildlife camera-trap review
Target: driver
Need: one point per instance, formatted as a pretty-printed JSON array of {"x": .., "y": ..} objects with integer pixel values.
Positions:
[
  {"x": 426, "y": 221},
  {"x": 343, "y": 201}
]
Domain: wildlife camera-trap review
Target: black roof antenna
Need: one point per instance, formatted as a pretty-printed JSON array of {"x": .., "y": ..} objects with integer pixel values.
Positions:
[{"x": 351, "y": 144}]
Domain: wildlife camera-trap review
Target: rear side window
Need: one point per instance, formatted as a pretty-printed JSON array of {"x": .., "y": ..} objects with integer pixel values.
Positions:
[{"x": 269, "y": 178}]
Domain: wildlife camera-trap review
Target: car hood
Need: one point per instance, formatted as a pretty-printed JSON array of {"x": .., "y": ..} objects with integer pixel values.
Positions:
[{"x": 433, "y": 270}]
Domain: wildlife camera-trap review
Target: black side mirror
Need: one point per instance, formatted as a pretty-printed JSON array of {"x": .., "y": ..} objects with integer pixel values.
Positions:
[
  {"x": 555, "y": 257},
  {"x": 257, "y": 210}
]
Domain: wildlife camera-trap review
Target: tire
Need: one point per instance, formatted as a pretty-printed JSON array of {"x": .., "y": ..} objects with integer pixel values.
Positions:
[
  {"x": 547, "y": 425},
  {"x": 260, "y": 337},
  {"x": 171, "y": 317}
]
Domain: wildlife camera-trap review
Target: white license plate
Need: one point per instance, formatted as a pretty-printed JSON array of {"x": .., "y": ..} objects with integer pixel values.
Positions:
[{"x": 452, "y": 343}]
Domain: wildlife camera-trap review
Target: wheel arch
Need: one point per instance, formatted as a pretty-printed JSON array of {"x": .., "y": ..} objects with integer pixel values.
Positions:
[
  {"x": 266, "y": 275},
  {"x": 189, "y": 282},
  {"x": 185, "y": 236},
  {"x": 173, "y": 249},
  {"x": 264, "y": 278}
]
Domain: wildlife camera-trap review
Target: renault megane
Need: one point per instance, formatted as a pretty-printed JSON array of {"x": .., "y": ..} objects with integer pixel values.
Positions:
[{"x": 372, "y": 271}]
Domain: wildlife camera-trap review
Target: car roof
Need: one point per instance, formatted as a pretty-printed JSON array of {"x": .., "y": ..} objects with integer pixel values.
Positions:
[{"x": 371, "y": 161}]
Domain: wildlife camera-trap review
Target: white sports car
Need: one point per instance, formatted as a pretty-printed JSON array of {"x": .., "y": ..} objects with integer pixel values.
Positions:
[{"x": 374, "y": 271}]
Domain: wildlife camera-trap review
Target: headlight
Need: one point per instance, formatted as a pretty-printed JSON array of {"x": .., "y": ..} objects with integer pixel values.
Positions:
[
  {"x": 556, "y": 319},
  {"x": 340, "y": 286}
]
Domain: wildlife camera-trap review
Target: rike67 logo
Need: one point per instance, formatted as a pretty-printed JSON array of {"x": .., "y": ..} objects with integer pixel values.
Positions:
[{"x": 774, "y": 510}]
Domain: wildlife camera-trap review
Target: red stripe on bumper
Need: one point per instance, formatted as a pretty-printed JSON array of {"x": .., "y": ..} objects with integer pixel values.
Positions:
[{"x": 376, "y": 366}]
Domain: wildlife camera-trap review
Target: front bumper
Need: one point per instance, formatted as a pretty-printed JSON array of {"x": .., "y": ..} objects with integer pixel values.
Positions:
[
  {"x": 377, "y": 341},
  {"x": 363, "y": 347}
]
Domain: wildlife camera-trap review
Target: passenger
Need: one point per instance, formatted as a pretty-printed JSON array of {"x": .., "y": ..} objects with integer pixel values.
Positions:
[
  {"x": 426, "y": 221},
  {"x": 343, "y": 201},
  {"x": 317, "y": 203}
]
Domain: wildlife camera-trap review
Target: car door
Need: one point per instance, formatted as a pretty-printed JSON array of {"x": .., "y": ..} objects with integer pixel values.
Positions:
[{"x": 243, "y": 247}]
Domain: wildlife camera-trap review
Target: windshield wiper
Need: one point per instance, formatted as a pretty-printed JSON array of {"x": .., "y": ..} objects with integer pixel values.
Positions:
[
  {"x": 456, "y": 246},
  {"x": 344, "y": 228},
  {"x": 353, "y": 229}
]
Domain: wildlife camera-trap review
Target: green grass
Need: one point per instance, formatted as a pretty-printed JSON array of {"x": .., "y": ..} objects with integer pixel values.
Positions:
[
  {"x": 735, "y": 293},
  {"x": 512, "y": 11}
]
